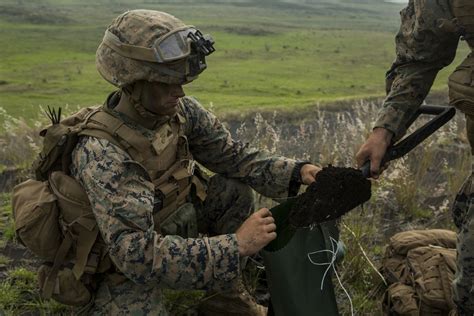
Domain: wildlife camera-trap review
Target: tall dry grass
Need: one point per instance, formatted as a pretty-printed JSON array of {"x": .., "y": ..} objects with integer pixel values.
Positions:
[
  {"x": 414, "y": 192},
  {"x": 19, "y": 141}
]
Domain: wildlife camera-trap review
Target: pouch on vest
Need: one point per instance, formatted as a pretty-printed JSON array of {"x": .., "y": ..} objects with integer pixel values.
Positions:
[
  {"x": 182, "y": 222},
  {"x": 461, "y": 86}
]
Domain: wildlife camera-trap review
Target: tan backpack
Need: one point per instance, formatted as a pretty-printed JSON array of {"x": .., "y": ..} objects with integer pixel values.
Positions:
[
  {"x": 419, "y": 267},
  {"x": 53, "y": 218}
]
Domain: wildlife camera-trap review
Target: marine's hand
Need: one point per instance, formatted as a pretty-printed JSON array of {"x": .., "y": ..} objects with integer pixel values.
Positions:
[
  {"x": 374, "y": 149},
  {"x": 256, "y": 232},
  {"x": 308, "y": 173}
]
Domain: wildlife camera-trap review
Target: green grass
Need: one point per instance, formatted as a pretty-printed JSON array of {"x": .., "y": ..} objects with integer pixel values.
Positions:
[
  {"x": 7, "y": 228},
  {"x": 19, "y": 295},
  {"x": 270, "y": 54},
  {"x": 4, "y": 260}
]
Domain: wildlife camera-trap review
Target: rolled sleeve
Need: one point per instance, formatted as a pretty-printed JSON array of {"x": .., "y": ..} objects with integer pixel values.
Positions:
[{"x": 424, "y": 45}]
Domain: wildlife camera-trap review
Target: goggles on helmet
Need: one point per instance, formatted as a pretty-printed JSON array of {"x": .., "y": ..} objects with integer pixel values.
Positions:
[
  {"x": 180, "y": 43},
  {"x": 175, "y": 45}
]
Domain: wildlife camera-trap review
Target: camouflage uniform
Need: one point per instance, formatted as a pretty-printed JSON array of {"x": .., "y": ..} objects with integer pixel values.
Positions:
[
  {"x": 427, "y": 41},
  {"x": 122, "y": 198}
]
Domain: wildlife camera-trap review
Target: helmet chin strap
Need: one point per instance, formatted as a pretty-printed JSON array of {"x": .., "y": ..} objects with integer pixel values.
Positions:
[
  {"x": 134, "y": 92},
  {"x": 135, "y": 100}
]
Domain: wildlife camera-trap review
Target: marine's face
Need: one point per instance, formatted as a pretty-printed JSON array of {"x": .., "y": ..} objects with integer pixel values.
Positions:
[{"x": 161, "y": 98}]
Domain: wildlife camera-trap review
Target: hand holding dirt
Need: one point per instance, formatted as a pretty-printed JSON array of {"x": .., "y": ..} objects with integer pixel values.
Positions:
[
  {"x": 256, "y": 232},
  {"x": 335, "y": 192},
  {"x": 308, "y": 173},
  {"x": 374, "y": 149}
]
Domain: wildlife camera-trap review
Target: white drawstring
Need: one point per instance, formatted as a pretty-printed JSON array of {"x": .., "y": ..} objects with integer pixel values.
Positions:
[
  {"x": 258, "y": 265},
  {"x": 331, "y": 264}
]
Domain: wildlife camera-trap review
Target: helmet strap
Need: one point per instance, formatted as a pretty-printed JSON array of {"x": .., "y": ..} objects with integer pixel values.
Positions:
[
  {"x": 133, "y": 93},
  {"x": 135, "y": 100}
]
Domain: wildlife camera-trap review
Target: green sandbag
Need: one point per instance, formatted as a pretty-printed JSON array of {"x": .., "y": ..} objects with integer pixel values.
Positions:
[{"x": 294, "y": 282}]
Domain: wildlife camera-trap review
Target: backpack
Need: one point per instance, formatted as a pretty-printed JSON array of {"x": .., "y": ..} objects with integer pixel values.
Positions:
[
  {"x": 54, "y": 220},
  {"x": 419, "y": 267}
]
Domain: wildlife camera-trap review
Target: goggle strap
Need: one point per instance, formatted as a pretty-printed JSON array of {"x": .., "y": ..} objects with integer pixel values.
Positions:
[{"x": 130, "y": 51}]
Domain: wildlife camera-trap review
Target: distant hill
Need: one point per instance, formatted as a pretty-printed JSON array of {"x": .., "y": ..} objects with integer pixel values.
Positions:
[{"x": 270, "y": 54}]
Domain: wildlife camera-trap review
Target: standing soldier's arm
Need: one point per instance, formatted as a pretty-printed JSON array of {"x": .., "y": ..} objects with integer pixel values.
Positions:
[{"x": 426, "y": 42}]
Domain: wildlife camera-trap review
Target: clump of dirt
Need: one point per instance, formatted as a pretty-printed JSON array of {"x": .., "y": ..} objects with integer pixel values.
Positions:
[{"x": 335, "y": 192}]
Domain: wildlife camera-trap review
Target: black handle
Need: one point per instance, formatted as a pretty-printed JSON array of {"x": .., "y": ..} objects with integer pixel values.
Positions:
[{"x": 443, "y": 115}]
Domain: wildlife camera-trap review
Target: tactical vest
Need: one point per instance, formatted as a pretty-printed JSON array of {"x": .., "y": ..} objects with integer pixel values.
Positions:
[{"x": 167, "y": 159}]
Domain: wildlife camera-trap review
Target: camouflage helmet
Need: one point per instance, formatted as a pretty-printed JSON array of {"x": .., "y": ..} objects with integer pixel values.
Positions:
[{"x": 153, "y": 46}]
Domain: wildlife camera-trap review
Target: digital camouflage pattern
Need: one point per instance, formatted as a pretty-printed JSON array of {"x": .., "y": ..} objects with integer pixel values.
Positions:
[
  {"x": 122, "y": 199},
  {"x": 424, "y": 44},
  {"x": 427, "y": 41}
]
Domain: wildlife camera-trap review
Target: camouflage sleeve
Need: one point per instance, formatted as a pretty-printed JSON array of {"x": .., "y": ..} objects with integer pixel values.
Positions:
[
  {"x": 122, "y": 198},
  {"x": 426, "y": 42},
  {"x": 212, "y": 145}
]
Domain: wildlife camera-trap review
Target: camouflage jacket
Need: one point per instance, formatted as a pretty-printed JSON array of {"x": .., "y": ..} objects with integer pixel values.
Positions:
[
  {"x": 426, "y": 42},
  {"x": 122, "y": 199}
]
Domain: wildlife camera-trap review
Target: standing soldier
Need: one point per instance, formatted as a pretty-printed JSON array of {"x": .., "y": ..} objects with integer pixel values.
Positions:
[
  {"x": 427, "y": 42},
  {"x": 149, "y": 197}
]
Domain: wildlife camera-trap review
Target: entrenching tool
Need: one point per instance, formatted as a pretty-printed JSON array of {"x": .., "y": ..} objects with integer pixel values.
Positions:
[
  {"x": 297, "y": 262},
  {"x": 282, "y": 211},
  {"x": 400, "y": 149}
]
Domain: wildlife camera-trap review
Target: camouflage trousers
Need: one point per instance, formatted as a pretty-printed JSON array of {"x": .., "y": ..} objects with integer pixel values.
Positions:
[
  {"x": 227, "y": 205},
  {"x": 463, "y": 215}
]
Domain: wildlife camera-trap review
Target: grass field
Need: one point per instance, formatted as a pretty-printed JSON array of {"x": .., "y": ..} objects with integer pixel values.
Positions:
[{"x": 270, "y": 54}]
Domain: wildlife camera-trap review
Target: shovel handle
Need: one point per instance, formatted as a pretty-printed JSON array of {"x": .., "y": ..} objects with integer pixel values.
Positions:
[{"x": 395, "y": 151}]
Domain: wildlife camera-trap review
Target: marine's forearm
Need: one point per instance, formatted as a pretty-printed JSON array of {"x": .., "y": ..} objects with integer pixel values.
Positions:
[
  {"x": 423, "y": 47},
  {"x": 410, "y": 84}
]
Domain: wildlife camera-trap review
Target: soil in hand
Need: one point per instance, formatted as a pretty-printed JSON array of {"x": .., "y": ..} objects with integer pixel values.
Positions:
[{"x": 335, "y": 192}]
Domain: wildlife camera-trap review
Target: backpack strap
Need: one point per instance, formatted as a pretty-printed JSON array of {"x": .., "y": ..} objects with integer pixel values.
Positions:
[
  {"x": 86, "y": 240},
  {"x": 78, "y": 220},
  {"x": 61, "y": 254},
  {"x": 102, "y": 124}
]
